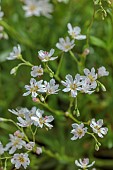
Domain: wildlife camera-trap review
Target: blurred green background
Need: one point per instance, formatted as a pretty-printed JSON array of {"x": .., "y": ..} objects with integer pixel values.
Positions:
[{"x": 36, "y": 33}]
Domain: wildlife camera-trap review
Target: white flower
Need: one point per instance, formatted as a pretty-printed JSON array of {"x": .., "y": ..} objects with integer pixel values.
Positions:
[
  {"x": 72, "y": 85},
  {"x": 20, "y": 112},
  {"x": 46, "y": 8},
  {"x": 45, "y": 56},
  {"x": 42, "y": 120},
  {"x": 97, "y": 127},
  {"x": 20, "y": 160},
  {"x": 38, "y": 150},
  {"x": 37, "y": 71},
  {"x": 29, "y": 146},
  {"x": 42, "y": 7},
  {"x": 31, "y": 8},
  {"x": 51, "y": 87},
  {"x": 90, "y": 77},
  {"x": 75, "y": 32},
  {"x": 34, "y": 88},
  {"x": 84, "y": 163},
  {"x": 78, "y": 131},
  {"x": 65, "y": 44},
  {"x": 14, "y": 144},
  {"x": 102, "y": 72},
  {"x": 1, "y": 149},
  {"x": 1, "y": 13},
  {"x": 24, "y": 122},
  {"x": 15, "y": 54},
  {"x": 86, "y": 87}
]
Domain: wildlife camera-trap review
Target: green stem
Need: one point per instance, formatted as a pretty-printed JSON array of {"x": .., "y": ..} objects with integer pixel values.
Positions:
[
  {"x": 60, "y": 64},
  {"x": 92, "y": 134},
  {"x": 73, "y": 56},
  {"x": 32, "y": 134}
]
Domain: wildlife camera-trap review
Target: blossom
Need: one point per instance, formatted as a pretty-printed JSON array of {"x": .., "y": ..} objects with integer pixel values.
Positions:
[
  {"x": 20, "y": 112},
  {"x": 34, "y": 88},
  {"x": 38, "y": 150},
  {"x": 78, "y": 131},
  {"x": 45, "y": 56},
  {"x": 65, "y": 44},
  {"x": 15, "y": 54},
  {"x": 84, "y": 163},
  {"x": 42, "y": 7},
  {"x": 29, "y": 146},
  {"x": 97, "y": 127},
  {"x": 90, "y": 77},
  {"x": 20, "y": 160},
  {"x": 42, "y": 120},
  {"x": 46, "y": 8},
  {"x": 75, "y": 32},
  {"x": 102, "y": 72},
  {"x": 1, "y": 148},
  {"x": 72, "y": 85},
  {"x": 86, "y": 87},
  {"x": 37, "y": 71},
  {"x": 51, "y": 87},
  {"x": 2, "y": 33},
  {"x": 15, "y": 143},
  {"x": 31, "y": 8}
]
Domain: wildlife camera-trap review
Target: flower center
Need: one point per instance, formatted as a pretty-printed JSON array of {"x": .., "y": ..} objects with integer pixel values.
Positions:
[
  {"x": 32, "y": 7},
  {"x": 34, "y": 89},
  {"x": 80, "y": 132},
  {"x": 73, "y": 86},
  {"x": 21, "y": 159},
  {"x": 91, "y": 78}
]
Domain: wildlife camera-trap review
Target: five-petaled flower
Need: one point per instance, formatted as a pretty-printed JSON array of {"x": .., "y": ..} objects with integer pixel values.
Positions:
[
  {"x": 42, "y": 120},
  {"x": 97, "y": 127},
  {"x": 65, "y": 44},
  {"x": 45, "y": 56},
  {"x": 15, "y": 54},
  {"x": 72, "y": 85},
  {"x": 20, "y": 160},
  {"x": 78, "y": 130},
  {"x": 34, "y": 88},
  {"x": 84, "y": 163},
  {"x": 37, "y": 71},
  {"x": 75, "y": 32}
]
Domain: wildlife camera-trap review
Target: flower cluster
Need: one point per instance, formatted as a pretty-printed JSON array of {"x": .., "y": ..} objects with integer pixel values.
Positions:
[
  {"x": 38, "y": 8},
  {"x": 79, "y": 130},
  {"x": 67, "y": 44},
  {"x": 34, "y": 116},
  {"x": 86, "y": 83}
]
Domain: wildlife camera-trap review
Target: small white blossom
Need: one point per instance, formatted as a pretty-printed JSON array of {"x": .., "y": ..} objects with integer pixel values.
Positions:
[
  {"x": 46, "y": 8},
  {"x": 86, "y": 87},
  {"x": 97, "y": 127},
  {"x": 15, "y": 54},
  {"x": 45, "y": 56},
  {"x": 72, "y": 85},
  {"x": 31, "y": 8},
  {"x": 20, "y": 160},
  {"x": 38, "y": 150},
  {"x": 84, "y": 163},
  {"x": 20, "y": 112},
  {"x": 78, "y": 131},
  {"x": 29, "y": 146},
  {"x": 1, "y": 149},
  {"x": 42, "y": 120},
  {"x": 37, "y": 8},
  {"x": 75, "y": 32},
  {"x": 14, "y": 144},
  {"x": 51, "y": 87},
  {"x": 37, "y": 71},
  {"x": 65, "y": 44},
  {"x": 34, "y": 88},
  {"x": 102, "y": 72},
  {"x": 90, "y": 77}
]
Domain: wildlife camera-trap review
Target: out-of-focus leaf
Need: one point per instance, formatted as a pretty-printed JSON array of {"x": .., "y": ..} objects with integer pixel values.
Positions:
[{"x": 97, "y": 42}]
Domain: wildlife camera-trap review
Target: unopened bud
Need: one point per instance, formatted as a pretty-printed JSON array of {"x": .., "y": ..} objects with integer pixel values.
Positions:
[
  {"x": 42, "y": 99},
  {"x": 36, "y": 100},
  {"x": 38, "y": 150},
  {"x": 96, "y": 147}
]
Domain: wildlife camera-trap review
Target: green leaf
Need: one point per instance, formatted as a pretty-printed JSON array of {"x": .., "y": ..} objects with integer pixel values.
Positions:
[{"x": 97, "y": 42}]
